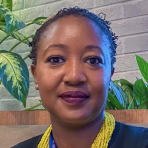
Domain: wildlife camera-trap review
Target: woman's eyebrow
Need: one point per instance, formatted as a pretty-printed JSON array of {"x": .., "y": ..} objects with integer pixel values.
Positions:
[
  {"x": 89, "y": 47},
  {"x": 63, "y": 46}
]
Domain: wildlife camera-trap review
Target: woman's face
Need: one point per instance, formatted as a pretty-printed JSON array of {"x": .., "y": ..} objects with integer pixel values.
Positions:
[{"x": 73, "y": 70}]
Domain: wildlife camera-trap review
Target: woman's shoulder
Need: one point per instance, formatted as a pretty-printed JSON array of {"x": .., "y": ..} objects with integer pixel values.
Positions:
[
  {"x": 30, "y": 143},
  {"x": 129, "y": 136},
  {"x": 130, "y": 128}
]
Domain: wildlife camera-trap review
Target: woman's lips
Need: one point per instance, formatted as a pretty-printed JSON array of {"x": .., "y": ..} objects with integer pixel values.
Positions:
[{"x": 74, "y": 97}]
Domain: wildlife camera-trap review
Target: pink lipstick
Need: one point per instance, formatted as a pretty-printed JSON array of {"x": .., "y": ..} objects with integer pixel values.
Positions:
[{"x": 74, "y": 97}]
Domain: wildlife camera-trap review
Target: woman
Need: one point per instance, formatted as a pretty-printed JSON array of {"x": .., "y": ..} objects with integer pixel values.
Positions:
[{"x": 73, "y": 55}]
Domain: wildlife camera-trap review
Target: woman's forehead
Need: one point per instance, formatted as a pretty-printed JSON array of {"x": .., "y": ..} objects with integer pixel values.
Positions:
[
  {"x": 72, "y": 27},
  {"x": 73, "y": 22},
  {"x": 74, "y": 32}
]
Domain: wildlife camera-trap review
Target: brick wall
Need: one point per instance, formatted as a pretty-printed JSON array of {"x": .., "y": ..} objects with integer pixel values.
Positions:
[{"x": 129, "y": 21}]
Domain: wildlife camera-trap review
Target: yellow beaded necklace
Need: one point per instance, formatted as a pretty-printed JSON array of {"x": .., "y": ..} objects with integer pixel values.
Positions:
[{"x": 101, "y": 140}]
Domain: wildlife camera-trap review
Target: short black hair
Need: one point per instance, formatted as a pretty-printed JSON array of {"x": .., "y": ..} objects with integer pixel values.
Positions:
[{"x": 102, "y": 23}]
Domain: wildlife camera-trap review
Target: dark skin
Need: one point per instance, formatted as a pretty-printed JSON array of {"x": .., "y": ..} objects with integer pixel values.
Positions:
[{"x": 82, "y": 63}]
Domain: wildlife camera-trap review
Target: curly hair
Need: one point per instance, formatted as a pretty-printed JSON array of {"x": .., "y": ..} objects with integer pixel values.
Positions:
[{"x": 99, "y": 19}]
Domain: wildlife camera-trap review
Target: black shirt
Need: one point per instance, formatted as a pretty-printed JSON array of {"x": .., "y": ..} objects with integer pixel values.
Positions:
[{"x": 124, "y": 136}]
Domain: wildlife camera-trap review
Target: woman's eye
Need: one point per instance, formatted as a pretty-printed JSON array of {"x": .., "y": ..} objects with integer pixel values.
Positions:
[
  {"x": 94, "y": 60},
  {"x": 55, "y": 60}
]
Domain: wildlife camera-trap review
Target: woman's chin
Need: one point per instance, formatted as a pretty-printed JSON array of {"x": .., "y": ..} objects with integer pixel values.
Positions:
[{"x": 77, "y": 120}]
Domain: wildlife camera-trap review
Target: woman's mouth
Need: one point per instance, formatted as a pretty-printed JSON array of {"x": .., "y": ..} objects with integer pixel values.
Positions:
[{"x": 74, "y": 97}]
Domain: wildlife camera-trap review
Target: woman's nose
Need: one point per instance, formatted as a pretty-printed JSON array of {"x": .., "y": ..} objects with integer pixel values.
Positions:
[{"x": 74, "y": 74}]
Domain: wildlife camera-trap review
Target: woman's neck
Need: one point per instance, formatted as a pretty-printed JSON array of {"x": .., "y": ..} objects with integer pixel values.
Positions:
[{"x": 70, "y": 137}]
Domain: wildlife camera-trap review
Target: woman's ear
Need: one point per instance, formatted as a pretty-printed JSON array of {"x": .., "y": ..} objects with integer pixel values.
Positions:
[{"x": 33, "y": 71}]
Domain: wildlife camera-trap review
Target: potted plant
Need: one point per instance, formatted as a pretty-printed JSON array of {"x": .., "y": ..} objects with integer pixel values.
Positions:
[{"x": 14, "y": 74}]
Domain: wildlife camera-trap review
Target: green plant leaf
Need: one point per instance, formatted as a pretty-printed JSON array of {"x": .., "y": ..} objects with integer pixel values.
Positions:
[
  {"x": 128, "y": 89},
  {"x": 12, "y": 21},
  {"x": 143, "y": 106},
  {"x": 39, "y": 20},
  {"x": 140, "y": 91},
  {"x": 14, "y": 75},
  {"x": 20, "y": 43},
  {"x": 114, "y": 101},
  {"x": 128, "y": 92},
  {"x": 131, "y": 105},
  {"x": 116, "y": 82},
  {"x": 33, "y": 107},
  {"x": 3, "y": 28},
  {"x": 109, "y": 106},
  {"x": 16, "y": 35},
  {"x": 143, "y": 66},
  {"x": 146, "y": 102},
  {"x": 7, "y": 4},
  {"x": 127, "y": 83},
  {"x": 124, "y": 96},
  {"x": 117, "y": 93}
]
